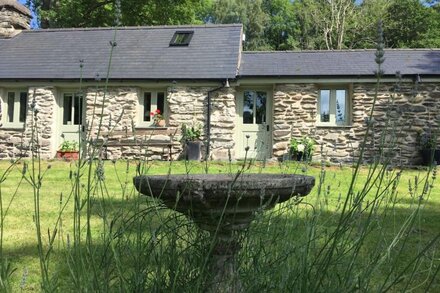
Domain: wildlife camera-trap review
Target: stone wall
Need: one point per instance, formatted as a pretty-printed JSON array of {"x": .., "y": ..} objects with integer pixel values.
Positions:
[
  {"x": 222, "y": 124},
  {"x": 13, "y": 18},
  {"x": 186, "y": 105},
  {"x": 114, "y": 128},
  {"x": 397, "y": 120},
  {"x": 40, "y": 116}
]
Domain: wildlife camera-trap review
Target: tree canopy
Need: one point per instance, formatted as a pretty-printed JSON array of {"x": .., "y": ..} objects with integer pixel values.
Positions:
[{"x": 268, "y": 24}]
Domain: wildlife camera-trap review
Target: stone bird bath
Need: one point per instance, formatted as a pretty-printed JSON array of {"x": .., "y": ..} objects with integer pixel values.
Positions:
[{"x": 223, "y": 205}]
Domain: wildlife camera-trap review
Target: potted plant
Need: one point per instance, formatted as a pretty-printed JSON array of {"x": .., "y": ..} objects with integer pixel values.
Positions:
[
  {"x": 191, "y": 137},
  {"x": 428, "y": 148},
  {"x": 158, "y": 119},
  {"x": 68, "y": 150},
  {"x": 301, "y": 149}
]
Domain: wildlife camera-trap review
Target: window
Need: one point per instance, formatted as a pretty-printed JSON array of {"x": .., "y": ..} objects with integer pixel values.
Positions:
[
  {"x": 72, "y": 109},
  {"x": 181, "y": 38},
  {"x": 254, "y": 107},
  {"x": 333, "y": 106},
  {"x": 15, "y": 108},
  {"x": 149, "y": 103}
]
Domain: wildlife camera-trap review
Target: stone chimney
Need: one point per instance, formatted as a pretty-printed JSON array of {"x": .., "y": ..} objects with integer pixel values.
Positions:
[{"x": 14, "y": 17}]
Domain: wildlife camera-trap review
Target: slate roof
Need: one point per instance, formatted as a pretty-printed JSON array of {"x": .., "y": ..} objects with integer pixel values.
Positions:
[
  {"x": 141, "y": 53},
  {"x": 339, "y": 63}
]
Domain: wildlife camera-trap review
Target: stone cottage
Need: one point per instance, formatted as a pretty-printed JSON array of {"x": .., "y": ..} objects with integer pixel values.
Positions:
[{"x": 99, "y": 86}]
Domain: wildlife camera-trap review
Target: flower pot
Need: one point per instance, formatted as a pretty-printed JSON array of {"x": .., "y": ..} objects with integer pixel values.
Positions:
[
  {"x": 193, "y": 150},
  {"x": 301, "y": 156},
  {"x": 429, "y": 156},
  {"x": 160, "y": 123},
  {"x": 68, "y": 155}
]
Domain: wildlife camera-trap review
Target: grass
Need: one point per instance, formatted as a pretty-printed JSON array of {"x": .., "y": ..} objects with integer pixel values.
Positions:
[{"x": 286, "y": 248}]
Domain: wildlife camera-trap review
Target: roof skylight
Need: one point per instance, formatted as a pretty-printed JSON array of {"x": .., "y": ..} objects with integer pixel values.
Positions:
[{"x": 181, "y": 38}]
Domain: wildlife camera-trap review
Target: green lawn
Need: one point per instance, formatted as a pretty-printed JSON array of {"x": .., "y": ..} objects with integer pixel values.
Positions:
[{"x": 134, "y": 245}]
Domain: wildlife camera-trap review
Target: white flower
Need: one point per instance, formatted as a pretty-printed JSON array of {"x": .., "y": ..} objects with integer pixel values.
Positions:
[{"x": 300, "y": 147}]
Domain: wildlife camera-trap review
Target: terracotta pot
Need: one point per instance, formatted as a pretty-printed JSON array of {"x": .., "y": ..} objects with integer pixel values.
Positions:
[
  {"x": 68, "y": 155},
  {"x": 160, "y": 123}
]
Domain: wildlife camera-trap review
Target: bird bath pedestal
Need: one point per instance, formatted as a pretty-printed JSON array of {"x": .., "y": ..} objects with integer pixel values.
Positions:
[{"x": 223, "y": 205}]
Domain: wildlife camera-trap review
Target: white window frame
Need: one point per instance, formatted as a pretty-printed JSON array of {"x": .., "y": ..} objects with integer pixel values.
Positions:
[
  {"x": 17, "y": 107},
  {"x": 140, "y": 112},
  {"x": 332, "y": 121},
  {"x": 74, "y": 95}
]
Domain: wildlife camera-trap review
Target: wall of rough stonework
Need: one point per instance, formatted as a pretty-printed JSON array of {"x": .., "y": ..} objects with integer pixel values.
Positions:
[
  {"x": 120, "y": 136},
  {"x": 186, "y": 105},
  {"x": 13, "y": 18},
  {"x": 117, "y": 124},
  {"x": 222, "y": 124},
  {"x": 16, "y": 142},
  {"x": 397, "y": 119},
  {"x": 118, "y": 112}
]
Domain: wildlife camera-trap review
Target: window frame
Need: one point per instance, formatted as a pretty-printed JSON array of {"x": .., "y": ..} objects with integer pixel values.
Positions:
[
  {"x": 17, "y": 108},
  {"x": 83, "y": 108},
  {"x": 177, "y": 34},
  {"x": 332, "y": 104},
  {"x": 153, "y": 106}
]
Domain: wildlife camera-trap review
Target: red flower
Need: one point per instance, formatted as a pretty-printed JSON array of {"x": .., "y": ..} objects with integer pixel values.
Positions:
[
  {"x": 152, "y": 114},
  {"x": 157, "y": 111}
]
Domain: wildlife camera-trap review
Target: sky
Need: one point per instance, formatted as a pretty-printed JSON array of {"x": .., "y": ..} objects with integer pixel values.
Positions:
[{"x": 34, "y": 23}]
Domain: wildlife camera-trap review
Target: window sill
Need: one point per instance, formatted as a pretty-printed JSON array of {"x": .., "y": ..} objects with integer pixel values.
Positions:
[
  {"x": 151, "y": 127},
  {"x": 12, "y": 126}
]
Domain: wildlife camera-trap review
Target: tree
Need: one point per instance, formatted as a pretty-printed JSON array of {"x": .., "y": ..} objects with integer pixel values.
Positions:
[
  {"x": 324, "y": 23},
  {"x": 363, "y": 30},
  {"x": 409, "y": 23},
  {"x": 247, "y": 12},
  {"x": 99, "y": 13},
  {"x": 282, "y": 30}
]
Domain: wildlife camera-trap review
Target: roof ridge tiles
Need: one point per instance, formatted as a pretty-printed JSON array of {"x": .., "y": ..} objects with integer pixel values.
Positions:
[
  {"x": 341, "y": 51},
  {"x": 133, "y": 28}
]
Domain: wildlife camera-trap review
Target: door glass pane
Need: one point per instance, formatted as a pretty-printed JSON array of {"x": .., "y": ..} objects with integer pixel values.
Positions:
[
  {"x": 77, "y": 110},
  {"x": 161, "y": 102},
  {"x": 147, "y": 107},
  {"x": 325, "y": 105},
  {"x": 11, "y": 101},
  {"x": 260, "y": 107},
  {"x": 23, "y": 106},
  {"x": 248, "y": 107},
  {"x": 67, "y": 110},
  {"x": 340, "y": 105}
]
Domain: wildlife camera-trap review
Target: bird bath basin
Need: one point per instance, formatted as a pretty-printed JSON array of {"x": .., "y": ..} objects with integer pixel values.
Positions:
[{"x": 224, "y": 205}]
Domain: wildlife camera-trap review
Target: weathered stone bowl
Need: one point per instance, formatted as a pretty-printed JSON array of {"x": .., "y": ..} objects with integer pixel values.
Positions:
[{"x": 208, "y": 197}]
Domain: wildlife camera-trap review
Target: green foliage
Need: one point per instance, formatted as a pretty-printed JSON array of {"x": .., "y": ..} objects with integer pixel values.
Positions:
[
  {"x": 282, "y": 28},
  {"x": 102, "y": 13},
  {"x": 69, "y": 146},
  {"x": 408, "y": 23},
  {"x": 268, "y": 24},
  {"x": 305, "y": 145},
  {"x": 191, "y": 133},
  {"x": 248, "y": 12}
]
